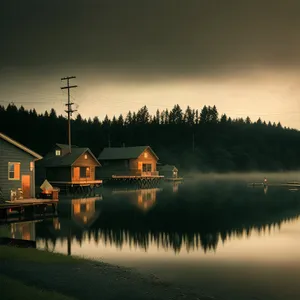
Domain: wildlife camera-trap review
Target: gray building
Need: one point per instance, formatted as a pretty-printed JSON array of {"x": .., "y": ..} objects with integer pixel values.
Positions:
[{"x": 17, "y": 169}]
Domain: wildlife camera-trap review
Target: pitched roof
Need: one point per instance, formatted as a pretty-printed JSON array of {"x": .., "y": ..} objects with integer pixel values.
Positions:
[
  {"x": 167, "y": 168},
  {"x": 123, "y": 152},
  {"x": 67, "y": 159},
  {"x": 65, "y": 146},
  {"x": 19, "y": 145}
]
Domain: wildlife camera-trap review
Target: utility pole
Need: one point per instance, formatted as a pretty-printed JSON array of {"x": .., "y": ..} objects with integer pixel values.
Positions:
[
  {"x": 193, "y": 142},
  {"x": 69, "y": 111}
]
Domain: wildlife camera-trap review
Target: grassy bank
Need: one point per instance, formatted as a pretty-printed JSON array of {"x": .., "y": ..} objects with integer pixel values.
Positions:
[
  {"x": 43, "y": 275},
  {"x": 13, "y": 289}
]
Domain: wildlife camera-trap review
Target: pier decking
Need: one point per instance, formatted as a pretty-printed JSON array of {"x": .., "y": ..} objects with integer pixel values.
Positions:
[
  {"x": 77, "y": 187},
  {"x": 133, "y": 180},
  {"x": 26, "y": 206}
]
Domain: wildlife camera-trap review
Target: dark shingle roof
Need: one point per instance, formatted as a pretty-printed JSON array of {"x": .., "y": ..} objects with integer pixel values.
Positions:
[
  {"x": 65, "y": 146},
  {"x": 123, "y": 152},
  {"x": 167, "y": 168},
  {"x": 65, "y": 160}
]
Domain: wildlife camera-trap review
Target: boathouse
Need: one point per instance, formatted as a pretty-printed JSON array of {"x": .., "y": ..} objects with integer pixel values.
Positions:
[
  {"x": 64, "y": 168},
  {"x": 137, "y": 161},
  {"x": 17, "y": 170},
  {"x": 168, "y": 171}
]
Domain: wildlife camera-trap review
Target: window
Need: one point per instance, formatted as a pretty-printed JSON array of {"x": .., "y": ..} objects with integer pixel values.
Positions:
[
  {"x": 147, "y": 167},
  {"x": 14, "y": 170},
  {"x": 85, "y": 156},
  {"x": 145, "y": 155},
  {"x": 57, "y": 152},
  {"x": 85, "y": 172},
  {"x": 31, "y": 166}
]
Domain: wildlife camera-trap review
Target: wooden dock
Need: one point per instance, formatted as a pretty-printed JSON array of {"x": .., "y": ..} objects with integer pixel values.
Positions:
[
  {"x": 262, "y": 184},
  {"x": 150, "y": 181},
  {"x": 171, "y": 179},
  {"x": 77, "y": 187},
  {"x": 25, "y": 207}
]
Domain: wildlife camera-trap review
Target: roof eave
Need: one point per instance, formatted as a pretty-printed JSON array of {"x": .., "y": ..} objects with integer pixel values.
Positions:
[{"x": 20, "y": 146}]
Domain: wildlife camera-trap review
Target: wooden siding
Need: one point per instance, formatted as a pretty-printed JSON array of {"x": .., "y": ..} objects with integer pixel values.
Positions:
[
  {"x": 113, "y": 167},
  {"x": 131, "y": 167},
  {"x": 11, "y": 153},
  {"x": 135, "y": 164},
  {"x": 82, "y": 162},
  {"x": 79, "y": 178},
  {"x": 58, "y": 174}
]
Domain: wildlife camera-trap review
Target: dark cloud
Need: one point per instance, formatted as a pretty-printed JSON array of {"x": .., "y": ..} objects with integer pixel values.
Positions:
[{"x": 164, "y": 35}]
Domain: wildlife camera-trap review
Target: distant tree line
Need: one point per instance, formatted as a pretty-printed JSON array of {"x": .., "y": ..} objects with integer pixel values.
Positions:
[{"x": 192, "y": 139}]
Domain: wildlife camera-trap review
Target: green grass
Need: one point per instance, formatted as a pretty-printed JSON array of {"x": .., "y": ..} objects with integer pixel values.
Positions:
[
  {"x": 14, "y": 290},
  {"x": 34, "y": 255}
]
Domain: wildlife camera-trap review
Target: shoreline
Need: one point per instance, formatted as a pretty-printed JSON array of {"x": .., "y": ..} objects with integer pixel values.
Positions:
[{"x": 85, "y": 279}]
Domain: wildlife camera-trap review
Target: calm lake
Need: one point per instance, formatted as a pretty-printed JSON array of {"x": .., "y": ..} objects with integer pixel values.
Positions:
[{"x": 220, "y": 237}]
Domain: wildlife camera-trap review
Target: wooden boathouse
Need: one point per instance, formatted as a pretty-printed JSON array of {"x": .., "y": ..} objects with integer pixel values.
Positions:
[
  {"x": 170, "y": 172},
  {"x": 72, "y": 169},
  {"x": 133, "y": 165},
  {"x": 17, "y": 170}
]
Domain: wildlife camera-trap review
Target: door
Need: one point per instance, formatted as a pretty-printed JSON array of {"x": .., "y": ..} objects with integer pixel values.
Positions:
[
  {"x": 76, "y": 173},
  {"x": 26, "y": 186}
]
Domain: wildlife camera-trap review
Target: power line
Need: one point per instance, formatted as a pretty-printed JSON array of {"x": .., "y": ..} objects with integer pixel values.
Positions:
[{"x": 69, "y": 104}]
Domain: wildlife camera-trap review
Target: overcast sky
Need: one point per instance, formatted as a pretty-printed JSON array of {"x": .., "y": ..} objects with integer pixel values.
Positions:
[{"x": 242, "y": 56}]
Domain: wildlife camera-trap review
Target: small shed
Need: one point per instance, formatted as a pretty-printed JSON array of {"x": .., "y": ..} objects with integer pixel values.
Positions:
[{"x": 169, "y": 171}]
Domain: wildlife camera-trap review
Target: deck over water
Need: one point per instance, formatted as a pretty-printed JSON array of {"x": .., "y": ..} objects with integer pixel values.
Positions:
[
  {"x": 25, "y": 206},
  {"x": 27, "y": 202}
]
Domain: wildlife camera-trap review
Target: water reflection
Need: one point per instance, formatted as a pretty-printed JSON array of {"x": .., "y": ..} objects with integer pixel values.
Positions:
[
  {"x": 191, "y": 220},
  {"x": 144, "y": 199},
  {"x": 84, "y": 211}
]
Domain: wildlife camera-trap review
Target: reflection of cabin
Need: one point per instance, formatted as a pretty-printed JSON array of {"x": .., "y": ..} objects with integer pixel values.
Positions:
[
  {"x": 168, "y": 171},
  {"x": 23, "y": 231},
  {"x": 84, "y": 211},
  {"x": 17, "y": 168},
  {"x": 60, "y": 166},
  {"x": 137, "y": 161},
  {"x": 146, "y": 198},
  {"x": 143, "y": 198}
]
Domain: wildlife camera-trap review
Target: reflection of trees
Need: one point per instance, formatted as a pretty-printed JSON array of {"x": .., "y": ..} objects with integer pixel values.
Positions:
[{"x": 185, "y": 222}]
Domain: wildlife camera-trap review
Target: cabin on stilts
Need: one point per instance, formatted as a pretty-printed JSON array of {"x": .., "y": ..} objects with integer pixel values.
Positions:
[
  {"x": 133, "y": 165},
  {"x": 72, "y": 171}
]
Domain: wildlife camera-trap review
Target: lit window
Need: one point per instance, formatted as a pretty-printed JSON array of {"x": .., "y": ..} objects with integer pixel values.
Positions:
[
  {"x": 85, "y": 156},
  {"x": 14, "y": 170},
  {"x": 31, "y": 166},
  {"x": 85, "y": 172},
  {"x": 145, "y": 154},
  {"x": 57, "y": 152}
]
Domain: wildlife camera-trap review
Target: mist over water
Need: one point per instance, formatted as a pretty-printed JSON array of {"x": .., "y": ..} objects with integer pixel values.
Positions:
[{"x": 248, "y": 177}]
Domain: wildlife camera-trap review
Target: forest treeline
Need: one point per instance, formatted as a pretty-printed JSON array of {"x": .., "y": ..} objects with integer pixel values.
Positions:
[{"x": 191, "y": 139}]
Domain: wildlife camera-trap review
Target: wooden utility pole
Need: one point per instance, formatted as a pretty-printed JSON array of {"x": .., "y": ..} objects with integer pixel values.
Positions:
[
  {"x": 69, "y": 111},
  {"x": 193, "y": 142}
]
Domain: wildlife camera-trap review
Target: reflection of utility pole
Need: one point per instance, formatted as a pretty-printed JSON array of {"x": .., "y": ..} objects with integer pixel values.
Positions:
[
  {"x": 70, "y": 232},
  {"x": 69, "y": 111},
  {"x": 69, "y": 240}
]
